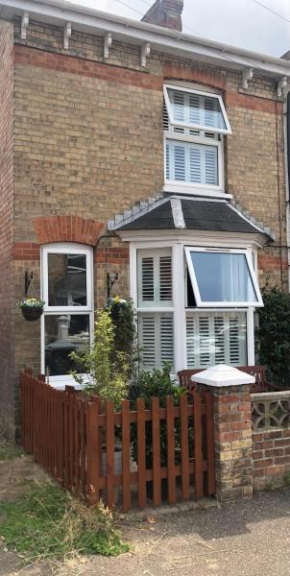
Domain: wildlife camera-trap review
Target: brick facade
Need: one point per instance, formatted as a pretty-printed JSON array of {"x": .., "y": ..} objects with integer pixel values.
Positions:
[
  {"x": 271, "y": 457},
  {"x": 233, "y": 443},
  {"x": 7, "y": 291},
  {"x": 83, "y": 140}
]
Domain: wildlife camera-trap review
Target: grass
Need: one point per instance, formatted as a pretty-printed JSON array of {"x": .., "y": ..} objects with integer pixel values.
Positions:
[
  {"x": 47, "y": 523},
  {"x": 9, "y": 451}
]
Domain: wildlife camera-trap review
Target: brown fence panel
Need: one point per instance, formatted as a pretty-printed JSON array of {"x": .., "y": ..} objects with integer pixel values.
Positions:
[{"x": 74, "y": 440}]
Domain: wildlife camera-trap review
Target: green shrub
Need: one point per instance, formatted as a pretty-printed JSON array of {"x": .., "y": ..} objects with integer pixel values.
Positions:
[
  {"x": 273, "y": 336},
  {"x": 107, "y": 370},
  {"x": 159, "y": 384}
]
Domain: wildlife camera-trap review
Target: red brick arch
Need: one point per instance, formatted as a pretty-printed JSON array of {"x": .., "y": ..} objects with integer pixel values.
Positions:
[{"x": 68, "y": 229}]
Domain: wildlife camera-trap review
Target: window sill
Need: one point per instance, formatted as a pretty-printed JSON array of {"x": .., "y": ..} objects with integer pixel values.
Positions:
[{"x": 193, "y": 191}]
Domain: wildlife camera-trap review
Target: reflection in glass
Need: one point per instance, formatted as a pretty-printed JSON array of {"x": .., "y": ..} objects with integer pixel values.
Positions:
[
  {"x": 67, "y": 283},
  {"x": 65, "y": 334},
  {"x": 216, "y": 338},
  {"x": 223, "y": 277}
]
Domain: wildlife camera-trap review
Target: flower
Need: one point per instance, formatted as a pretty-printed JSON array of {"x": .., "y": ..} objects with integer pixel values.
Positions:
[{"x": 31, "y": 303}]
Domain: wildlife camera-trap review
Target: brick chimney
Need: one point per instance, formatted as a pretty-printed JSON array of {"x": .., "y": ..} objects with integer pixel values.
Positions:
[{"x": 165, "y": 13}]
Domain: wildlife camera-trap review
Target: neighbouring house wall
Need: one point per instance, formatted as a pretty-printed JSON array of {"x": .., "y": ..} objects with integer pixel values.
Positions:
[
  {"x": 7, "y": 312},
  {"x": 88, "y": 143}
]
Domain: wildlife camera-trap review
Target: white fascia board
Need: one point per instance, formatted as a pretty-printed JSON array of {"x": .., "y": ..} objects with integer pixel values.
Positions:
[
  {"x": 194, "y": 237},
  {"x": 169, "y": 41}
]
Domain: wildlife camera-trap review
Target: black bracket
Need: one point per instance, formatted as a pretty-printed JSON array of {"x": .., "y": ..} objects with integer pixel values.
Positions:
[
  {"x": 111, "y": 280},
  {"x": 27, "y": 282}
]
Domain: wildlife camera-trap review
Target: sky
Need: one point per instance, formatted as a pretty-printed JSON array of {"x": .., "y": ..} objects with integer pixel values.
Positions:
[{"x": 258, "y": 25}]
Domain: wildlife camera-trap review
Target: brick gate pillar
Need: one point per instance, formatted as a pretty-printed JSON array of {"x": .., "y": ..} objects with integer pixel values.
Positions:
[{"x": 232, "y": 430}]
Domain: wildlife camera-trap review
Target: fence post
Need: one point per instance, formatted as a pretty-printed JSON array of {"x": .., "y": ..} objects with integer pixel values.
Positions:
[
  {"x": 232, "y": 430},
  {"x": 93, "y": 457}
]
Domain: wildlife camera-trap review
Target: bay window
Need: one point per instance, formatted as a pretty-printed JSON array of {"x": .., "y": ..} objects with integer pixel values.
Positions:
[
  {"x": 67, "y": 321},
  {"x": 202, "y": 317},
  {"x": 194, "y": 126}
]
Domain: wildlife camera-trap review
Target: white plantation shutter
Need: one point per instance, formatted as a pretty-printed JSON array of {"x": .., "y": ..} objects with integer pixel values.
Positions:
[
  {"x": 147, "y": 341},
  {"x": 210, "y": 166},
  {"x": 204, "y": 341},
  {"x": 216, "y": 338},
  {"x": 191, "y": 340},
  {"x": 195, "y": 165},
  {"x": 165, "y": 278},
  {"x": 192, "y": 163},
  {"x": 179, "y": 151},
  {"x": 196, "y": 110},
  {"x": 155, "y": 333},
  {"x": 219, "y": 339},
  {"x": 148, "y": 279},
  {"x": 154, "y": 278},
  {"x": 179, "y": 108}
]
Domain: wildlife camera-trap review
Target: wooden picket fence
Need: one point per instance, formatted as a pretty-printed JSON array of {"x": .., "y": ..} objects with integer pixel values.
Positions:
[{"x": 75, "y": 441}]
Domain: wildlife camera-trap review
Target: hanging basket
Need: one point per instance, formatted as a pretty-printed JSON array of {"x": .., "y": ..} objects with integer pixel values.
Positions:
[{"x": 31, "y": 314}]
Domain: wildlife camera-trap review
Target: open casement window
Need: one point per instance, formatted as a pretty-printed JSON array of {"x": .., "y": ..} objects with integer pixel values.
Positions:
[
  {"x": 216, "y": 338},
  {"x": 155, "y": 307},
  {"x": 194, "y": 124},
  {"x": 68, "y": 312},
  {"x": 196, "y": 110},
  {"x": 222, "y": 278}
]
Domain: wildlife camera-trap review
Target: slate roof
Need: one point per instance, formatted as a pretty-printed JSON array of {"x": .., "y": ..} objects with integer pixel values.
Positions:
[{"x": 172, "y": 212}]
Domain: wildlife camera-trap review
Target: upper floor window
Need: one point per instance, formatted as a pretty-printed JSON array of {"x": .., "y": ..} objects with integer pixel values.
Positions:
[{"x": 194, "y": 125}]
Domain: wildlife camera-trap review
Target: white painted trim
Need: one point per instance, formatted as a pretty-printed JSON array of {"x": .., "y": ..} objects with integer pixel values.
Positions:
[
  {"x": 192, "y": 190},
  {"x": 65, "y": 248},
  {"x": 168, "y": 41},
  {"x": 201, "y": 303},
  {"x": 179, "y": 307},
  {"x": 152, "y": 238},
  {"x": 251, "y": 336},
  {"x": 217, "y": 97},
  {"x": 202, "y": 188}
]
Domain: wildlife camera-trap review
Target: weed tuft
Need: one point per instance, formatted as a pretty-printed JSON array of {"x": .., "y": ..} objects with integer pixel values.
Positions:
[{"x": 48, "y": 523}]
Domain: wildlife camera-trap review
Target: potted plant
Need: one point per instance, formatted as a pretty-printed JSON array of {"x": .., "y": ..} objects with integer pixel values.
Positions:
[{"x": 31, "y": 308}]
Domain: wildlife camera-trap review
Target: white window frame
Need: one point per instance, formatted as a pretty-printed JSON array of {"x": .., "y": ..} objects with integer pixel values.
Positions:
[
  {"x": 204, "y": 304},
  {"x": 179, "y": 308},
  {"x": 65, "y": 248},
  {"x": 190, "y": 187},
  {"x": 217, "y": 97}
]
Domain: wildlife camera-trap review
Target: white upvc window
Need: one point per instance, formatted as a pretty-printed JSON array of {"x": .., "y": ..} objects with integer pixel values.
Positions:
[
  {"x": 155, "y": 307},
  {"x": 194, "y": 312},
  {"x": 222, "y": 278},
  {"x": 67, "y": 321},
  {"x": 194, "y": 125}
]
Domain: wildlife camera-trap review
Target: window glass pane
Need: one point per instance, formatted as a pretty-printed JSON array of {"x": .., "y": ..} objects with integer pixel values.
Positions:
[
  {"x": 196, "y": 110},
  {"x": 65, "y": 334},
  {"x": 223, "y": 277},
  {"x": 67, "y": 283},
  {"x": 216, "y": 338},
  {"x": 192, "y": 163}
]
